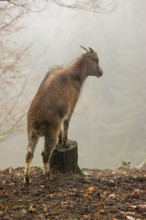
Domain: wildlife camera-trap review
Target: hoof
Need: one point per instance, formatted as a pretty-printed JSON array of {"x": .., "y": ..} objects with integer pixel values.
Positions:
[
  {"x": 68, "y": 143},
  {"x": 27, "y": 180},
  {"x": 49, "y": 175}
]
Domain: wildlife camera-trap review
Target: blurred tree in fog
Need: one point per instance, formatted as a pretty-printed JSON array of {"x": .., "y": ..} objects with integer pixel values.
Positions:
[
  {"x": 10, "y": 65},
  {"x": 11, "y": 57}
]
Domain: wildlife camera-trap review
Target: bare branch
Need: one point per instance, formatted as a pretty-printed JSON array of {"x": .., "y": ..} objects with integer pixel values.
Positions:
[
  {"x": 27, "y": 6},
  {"x": 98, "y": 6},
  {"x": 17, "y": 126}
]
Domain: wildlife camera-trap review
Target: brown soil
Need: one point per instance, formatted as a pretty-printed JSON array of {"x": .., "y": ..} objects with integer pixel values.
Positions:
[{"x": 101, "y": 195}]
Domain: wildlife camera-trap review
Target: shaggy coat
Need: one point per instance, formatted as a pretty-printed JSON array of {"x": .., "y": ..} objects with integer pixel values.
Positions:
[{"x": 52, "y": 107}]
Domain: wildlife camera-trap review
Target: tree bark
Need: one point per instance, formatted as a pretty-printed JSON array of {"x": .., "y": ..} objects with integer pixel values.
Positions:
[{"x": 65, "y": 158}]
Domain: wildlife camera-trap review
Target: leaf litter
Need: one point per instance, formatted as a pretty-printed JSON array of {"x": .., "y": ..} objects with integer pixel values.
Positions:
[{"x": 99, "y": 195}]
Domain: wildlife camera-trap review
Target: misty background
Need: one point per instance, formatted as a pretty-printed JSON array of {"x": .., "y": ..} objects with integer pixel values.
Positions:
[{"x": 109, "y": 121}]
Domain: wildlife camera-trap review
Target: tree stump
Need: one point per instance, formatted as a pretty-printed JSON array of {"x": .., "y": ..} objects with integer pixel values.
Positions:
[{"x": 65, "y": 158}]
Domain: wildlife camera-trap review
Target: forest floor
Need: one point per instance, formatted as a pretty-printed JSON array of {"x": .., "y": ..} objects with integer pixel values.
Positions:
[{"x": 100, "y": 195}]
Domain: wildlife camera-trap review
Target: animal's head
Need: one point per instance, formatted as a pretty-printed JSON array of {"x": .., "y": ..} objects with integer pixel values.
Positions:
[{"x": 92, "y": 60}]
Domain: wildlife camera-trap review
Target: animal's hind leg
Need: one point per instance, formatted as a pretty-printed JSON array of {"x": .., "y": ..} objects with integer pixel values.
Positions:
[
  {"x": 32, "y": 142},
  {"x": 50, "y": 142}
]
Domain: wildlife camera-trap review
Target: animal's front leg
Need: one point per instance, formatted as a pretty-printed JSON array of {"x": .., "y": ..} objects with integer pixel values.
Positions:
[
  {"x": 60, "y": 137},
  {"x": 65, "y": 132}
]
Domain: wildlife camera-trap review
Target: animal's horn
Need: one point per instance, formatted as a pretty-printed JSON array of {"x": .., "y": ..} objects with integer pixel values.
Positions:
[
  {"x": 91, "y": 50},
  {"x": 84, "y": 48}
]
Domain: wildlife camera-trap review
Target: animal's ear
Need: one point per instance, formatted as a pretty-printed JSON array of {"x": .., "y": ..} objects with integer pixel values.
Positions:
[
  {"x": 91, "y": 50},
  {"x": 84, "y": 48}
]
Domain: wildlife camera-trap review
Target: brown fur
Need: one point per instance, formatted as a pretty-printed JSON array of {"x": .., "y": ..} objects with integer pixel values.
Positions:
[{"x": 54, "y": 103}]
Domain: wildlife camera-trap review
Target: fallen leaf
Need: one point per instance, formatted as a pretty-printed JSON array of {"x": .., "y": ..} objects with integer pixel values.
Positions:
[
  {"x": 105, "y": 193},
  {"x": 136, "y": 193},
  {"x": 45, "y": 208},
  {"x": 90, "y": 189},
  {"x": 1, "y": 206},
  {"x": 31, "y": 209},
  {"x": 52, "y": 195},
  {"x": 23, "y": 211},
  {"x": 102, "y": 211},
  {"x": 130, "y": 217},
  {"x": 86, "y": 216},
  {"x": 113, "y": 195},
  {"x": 85, "y": 194},
  {"x": 63, "y": 203}
]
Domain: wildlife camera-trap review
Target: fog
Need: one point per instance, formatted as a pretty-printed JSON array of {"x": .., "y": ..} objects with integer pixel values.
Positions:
[{"x": 109, "y": 122}]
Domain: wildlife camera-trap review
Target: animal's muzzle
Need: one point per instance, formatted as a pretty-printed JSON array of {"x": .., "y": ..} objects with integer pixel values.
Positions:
[{"x": 100, "y": 72}]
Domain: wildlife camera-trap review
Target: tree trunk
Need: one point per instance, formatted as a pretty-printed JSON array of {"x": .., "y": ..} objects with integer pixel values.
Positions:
[{"x": 65, "y": 158}]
